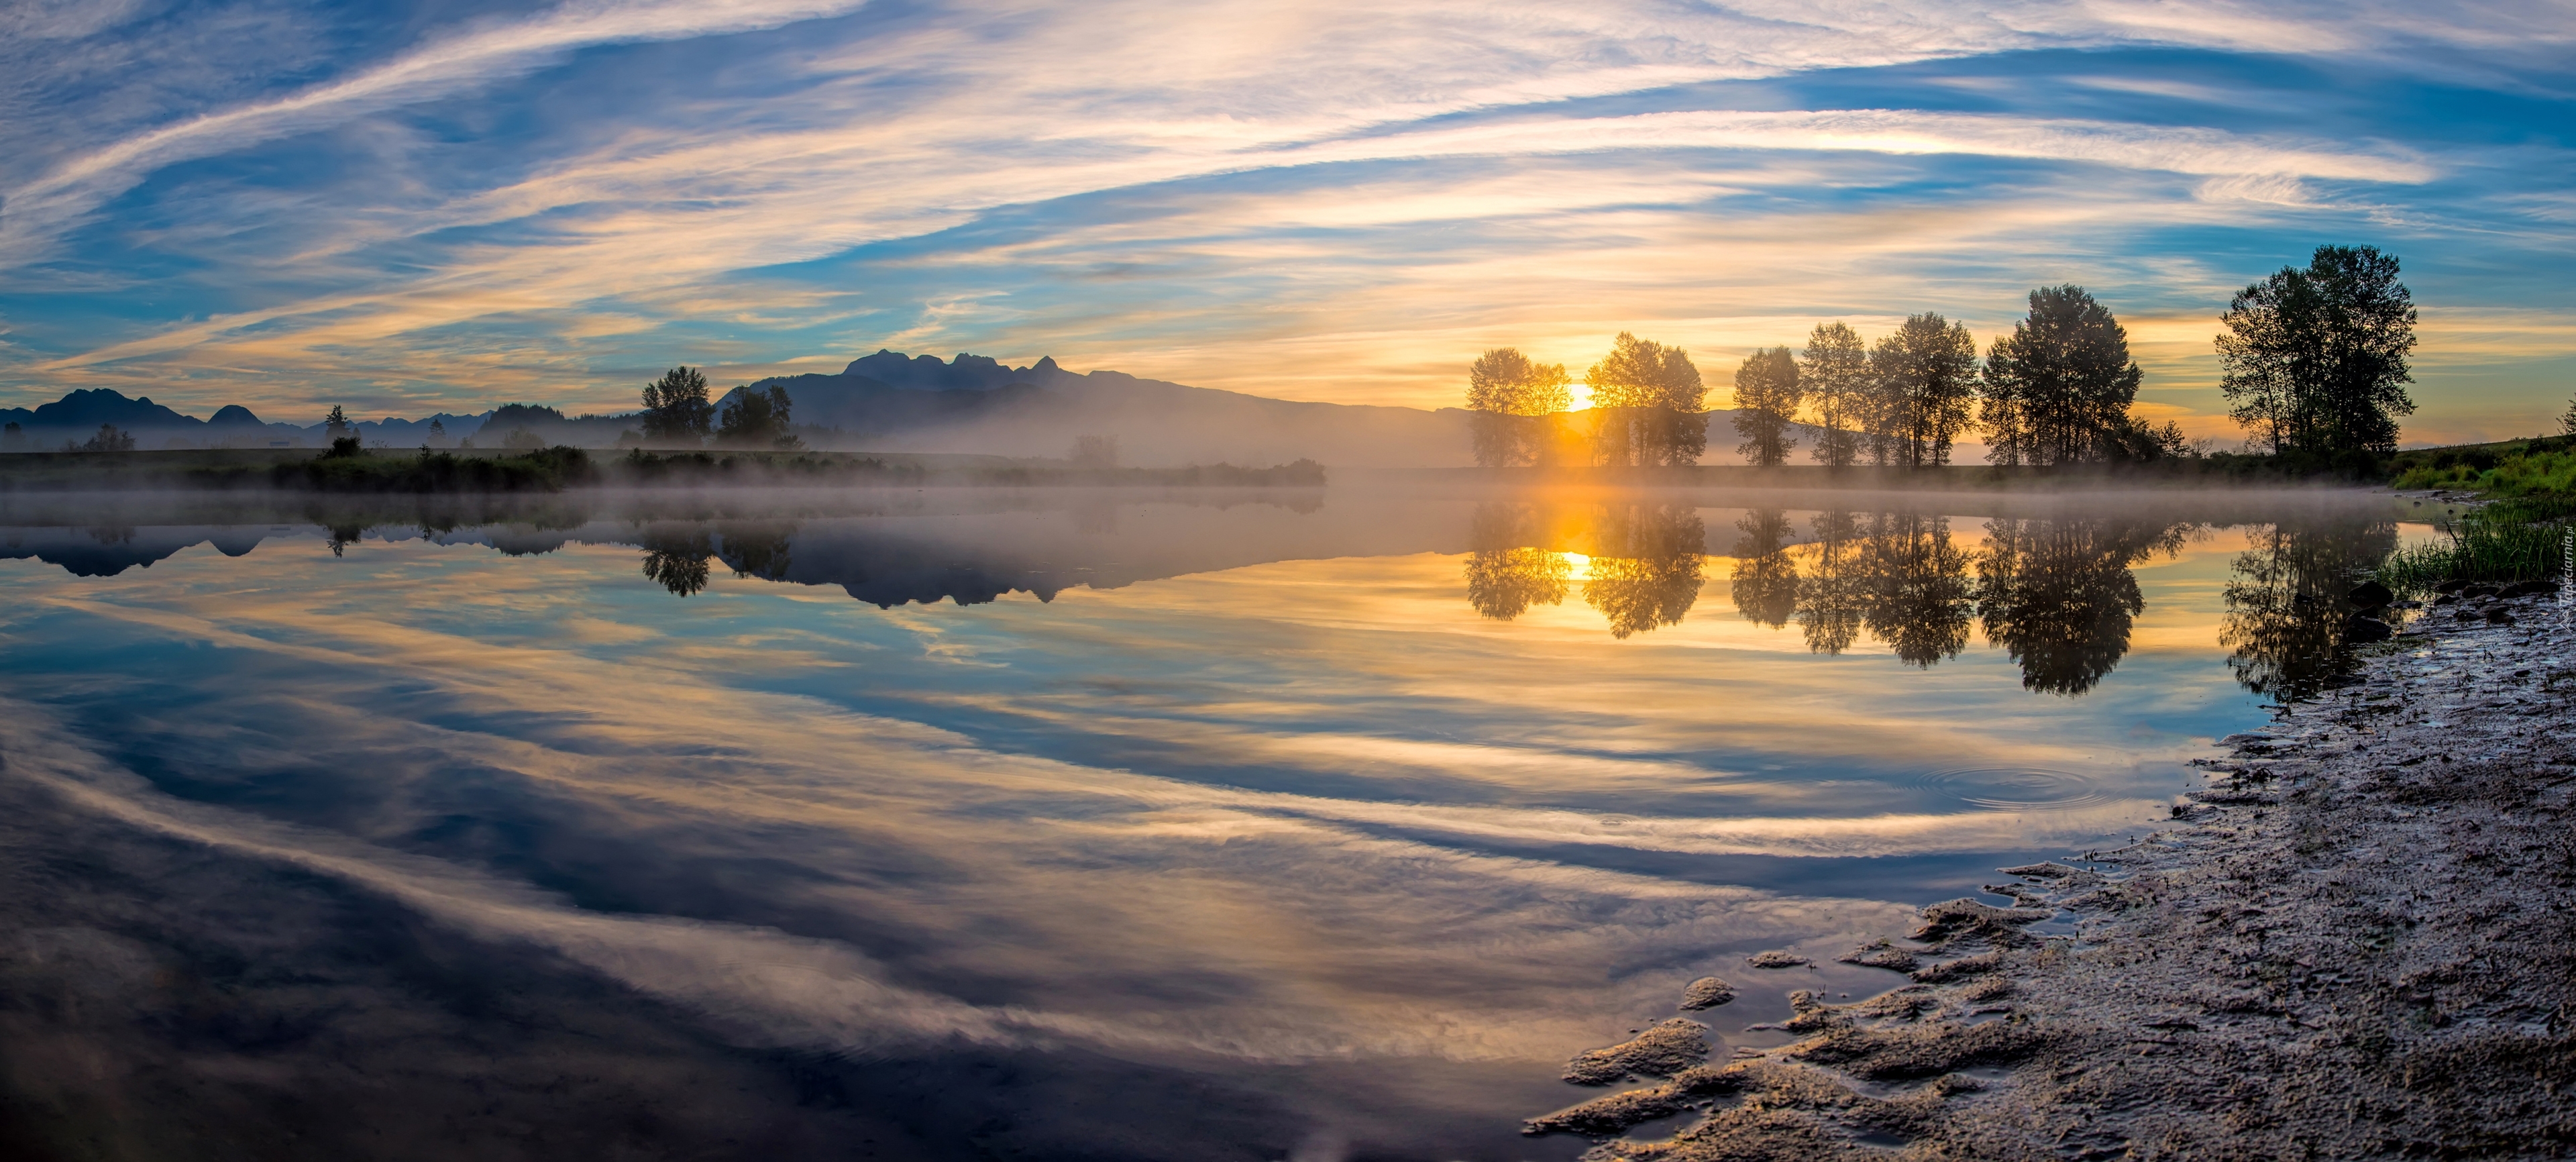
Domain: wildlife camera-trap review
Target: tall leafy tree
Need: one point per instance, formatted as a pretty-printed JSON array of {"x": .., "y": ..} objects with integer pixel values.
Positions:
[
  {"x": 1833, "y": 374},
  {"x": 1925, "y": 389},
  {"x": 1653, "y": 401},
  {"x": 676, "y": 406},
  {"x": 759, "y": 419},
  {"x": 2315, "y": 359},
  {"x": 337, "y": 423},
  {"x": 2058, "y": 389},
  {"x": 1510, "y": 396},
  {"x": 1766, "y": 403}
]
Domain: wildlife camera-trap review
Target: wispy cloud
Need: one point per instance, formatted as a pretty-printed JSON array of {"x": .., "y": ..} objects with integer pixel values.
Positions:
[{"x": 505, "y": 207}]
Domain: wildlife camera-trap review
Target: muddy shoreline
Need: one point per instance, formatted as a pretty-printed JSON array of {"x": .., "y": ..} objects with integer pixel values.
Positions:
[{"x": 2357, "y": 940}]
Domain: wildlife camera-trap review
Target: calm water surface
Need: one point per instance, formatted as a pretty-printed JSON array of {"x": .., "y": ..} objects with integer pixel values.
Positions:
[{"x": 956, "y": 824}]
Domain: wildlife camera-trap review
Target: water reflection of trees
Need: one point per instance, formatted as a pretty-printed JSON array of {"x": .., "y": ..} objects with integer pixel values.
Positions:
[
  {"x": 1766, "y": 580},
  {"x": 1505, "y": 574},
  {"x": 676, "y": 558},
  {"x": 2056, "y": 594},
  {"x": 1898, "y": 575},
  {"x": 1646, "y": 565},
  {"x": 2059, "y": 597},
  {"x": 1834, "y": 595},
  {"x": 1919, "y": 598},
  {"x": 1645, "y": 570},
  {"x": 2286, "y": 604}
]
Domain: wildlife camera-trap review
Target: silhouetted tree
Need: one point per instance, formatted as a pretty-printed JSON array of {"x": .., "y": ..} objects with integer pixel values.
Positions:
[
  {"x": 2315, "y": 359},
  {"x": 1647, "y": 568},
  {"x": 677, "y": 560},
  {"x": 2286, "y": 603},
  {"x": 1919, "y": 598},
  {"x": 1833, "y": 594},
  {"x": 1923, "y": 383},
  {"x": 759, "y": 419},
  {"x": 337, "y": 423},
  {"x": 1833, "y": 374},
  {"x": 1509, "y": 398},
  {"x": 1765, "y": 586},
  {"x": 676, "y": 407},
  {"x": 2058, "y": 595},
  {"x": 1505, "y": 573},
  {"x": 1766, "y": 402},
  {"x": 2058, "y": 389},
  {"x": 110, "y": 439},
  {"x": 1652, "y": 404},
  {"x": 2566, "y": 423},
  {"x": 437, "y": 433},
  {"x": 1094, "y": 451}
]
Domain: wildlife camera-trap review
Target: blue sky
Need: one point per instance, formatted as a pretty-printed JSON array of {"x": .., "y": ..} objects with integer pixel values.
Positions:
[{"x": 410, "y": 208}]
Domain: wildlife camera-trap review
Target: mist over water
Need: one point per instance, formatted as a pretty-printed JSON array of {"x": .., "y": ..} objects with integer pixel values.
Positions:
[{"x": 1072, "y": 824}]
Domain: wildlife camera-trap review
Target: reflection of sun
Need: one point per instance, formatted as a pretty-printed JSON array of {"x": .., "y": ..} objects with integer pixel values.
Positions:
[{"x": 1579, "y": 566}]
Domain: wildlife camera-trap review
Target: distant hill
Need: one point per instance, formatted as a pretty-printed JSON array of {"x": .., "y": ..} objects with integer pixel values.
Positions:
[
  {"x": 894, "y": 402},
  {"x": 77, "y": 415}
]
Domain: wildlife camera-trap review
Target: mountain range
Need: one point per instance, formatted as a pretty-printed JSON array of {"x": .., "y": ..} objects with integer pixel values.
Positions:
[{"x": 894, "y": 402}]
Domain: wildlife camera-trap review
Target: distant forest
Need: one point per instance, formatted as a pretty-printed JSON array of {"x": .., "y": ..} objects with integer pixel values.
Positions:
[{"x": 2314, "y": 358}]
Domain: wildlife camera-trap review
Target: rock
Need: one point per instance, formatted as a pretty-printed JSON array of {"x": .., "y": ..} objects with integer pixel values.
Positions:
[
  {"x": 2499, "y": 617},
  {"x": 2447, "y": 599},
  {"x": 1880, "y": 954},
  {"x": 1775, "y": 958},
  {"x": 1662, "y": 1051},
  {"x": 2528, "y": 589},
  {"x": 1707, "y": 992},
  {"x": 2370, "y": 595},
  {"x": 2357, "y": 628}
]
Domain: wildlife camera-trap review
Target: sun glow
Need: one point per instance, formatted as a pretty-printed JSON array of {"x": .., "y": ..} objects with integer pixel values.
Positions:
[{"x": 1579, "y": 567}]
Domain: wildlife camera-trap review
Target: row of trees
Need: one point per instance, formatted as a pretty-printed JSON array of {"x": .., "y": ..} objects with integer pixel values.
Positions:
[
  {"x": 2315, "y": 362},
  {"x": 677, "y": 410}
]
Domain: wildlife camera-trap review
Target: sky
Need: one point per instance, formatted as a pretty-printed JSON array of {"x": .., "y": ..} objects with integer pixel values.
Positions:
[{"x": 409, "y": 208}]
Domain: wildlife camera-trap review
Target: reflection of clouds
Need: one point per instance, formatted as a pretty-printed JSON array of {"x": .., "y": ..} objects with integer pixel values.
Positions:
[{"x": 854, "y": 852}]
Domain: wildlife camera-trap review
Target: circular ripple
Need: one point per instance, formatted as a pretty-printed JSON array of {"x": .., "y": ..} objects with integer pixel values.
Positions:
[{"x": 2014, "y": 788}]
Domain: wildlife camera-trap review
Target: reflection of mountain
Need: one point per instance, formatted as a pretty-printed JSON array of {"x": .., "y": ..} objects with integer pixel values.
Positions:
[
  {"x": 970, "y": 550},
  {"x": 2286, "y": 603},
  {"x": 107, "y": 550}
]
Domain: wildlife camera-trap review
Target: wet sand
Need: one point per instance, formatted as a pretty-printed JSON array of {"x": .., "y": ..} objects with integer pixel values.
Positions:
[{"x": 2359, "y": 940}]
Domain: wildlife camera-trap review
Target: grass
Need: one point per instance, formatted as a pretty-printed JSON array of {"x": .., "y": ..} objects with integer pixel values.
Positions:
[{"x": 2522, "y": 533}]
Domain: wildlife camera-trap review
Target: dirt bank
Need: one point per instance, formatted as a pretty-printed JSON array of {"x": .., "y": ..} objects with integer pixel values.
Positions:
[{"x": 2358, "y": 941}]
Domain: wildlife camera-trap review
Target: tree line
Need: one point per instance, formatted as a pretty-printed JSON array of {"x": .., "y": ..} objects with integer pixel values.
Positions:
[
  {"x": 677, "y": 410},
  {"x": 2314, "y": 363}
]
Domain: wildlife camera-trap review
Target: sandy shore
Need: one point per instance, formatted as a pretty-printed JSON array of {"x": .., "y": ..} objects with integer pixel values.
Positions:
[{"x": 2358, "y": 941}]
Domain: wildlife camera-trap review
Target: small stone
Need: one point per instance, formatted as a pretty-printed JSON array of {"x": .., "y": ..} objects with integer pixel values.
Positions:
[
  {"x": 2366, "y": 629},
  {"x": 1707, "y": 992},
  {"x": 2499, "y": 617},
  {"x": 2370, "y": 595},
  {"x": 1775, "y": 958}
]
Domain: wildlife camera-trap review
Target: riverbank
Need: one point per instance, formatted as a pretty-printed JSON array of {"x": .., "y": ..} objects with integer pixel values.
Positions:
[{"x": 2359, "y": 940}]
